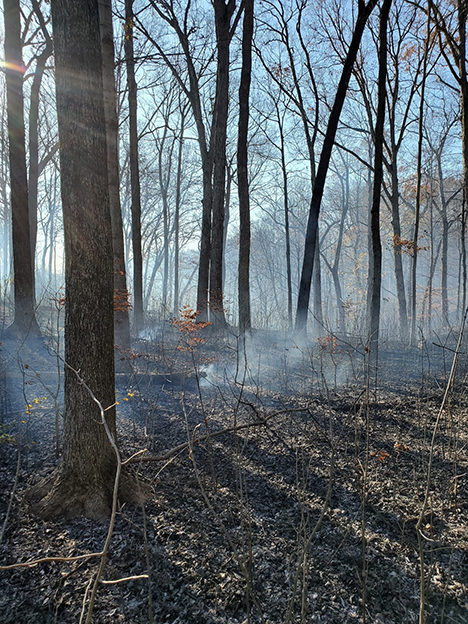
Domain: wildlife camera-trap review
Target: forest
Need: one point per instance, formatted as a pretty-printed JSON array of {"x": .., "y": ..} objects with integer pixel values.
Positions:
[{"x": 233, "y": 298}]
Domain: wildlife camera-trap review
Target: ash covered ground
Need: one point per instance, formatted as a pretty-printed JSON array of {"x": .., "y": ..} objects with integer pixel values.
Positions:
[{"x": 307, "y": 515}]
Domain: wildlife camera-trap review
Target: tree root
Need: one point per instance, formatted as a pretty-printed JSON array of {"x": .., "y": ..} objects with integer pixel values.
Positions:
[{"x": 56, "y": 496}]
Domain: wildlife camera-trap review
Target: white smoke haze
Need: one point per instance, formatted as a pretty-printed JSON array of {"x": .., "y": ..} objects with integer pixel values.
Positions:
[{"x": 268, "y": 361}]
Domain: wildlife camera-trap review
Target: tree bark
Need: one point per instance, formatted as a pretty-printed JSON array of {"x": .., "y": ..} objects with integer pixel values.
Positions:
[
  {"x": 314, "y": 210},
  {"x": 121, "y": 304},
  {"x": 375, "y": 252},
  {"x": 223, "y": 14},
  {"x": 85, "y": 478},
  {"x": 24, "y": 319},
  {"x": 134, "y": 170},
  {"x": 242, "y": 170}
]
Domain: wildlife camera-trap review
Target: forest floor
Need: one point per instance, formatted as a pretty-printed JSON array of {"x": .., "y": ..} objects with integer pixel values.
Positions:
[{"x": 308, "y": 515}]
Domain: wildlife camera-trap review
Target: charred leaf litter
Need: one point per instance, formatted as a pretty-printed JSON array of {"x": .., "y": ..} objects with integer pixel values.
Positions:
[{"x": 308, "y": 515}]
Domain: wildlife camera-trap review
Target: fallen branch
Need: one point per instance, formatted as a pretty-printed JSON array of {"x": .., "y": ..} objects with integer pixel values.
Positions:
[
  {"x": 234, "y": 429},
  {"x": 124, "y": 579},
  {"x": 29, "y": 564}
]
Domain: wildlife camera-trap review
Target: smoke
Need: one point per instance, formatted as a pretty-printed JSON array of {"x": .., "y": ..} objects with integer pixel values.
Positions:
[{"x": 276, "y": 362}]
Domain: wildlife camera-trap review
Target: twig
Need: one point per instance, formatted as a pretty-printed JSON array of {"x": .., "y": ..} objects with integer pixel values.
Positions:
[
  {"x": 29, "y": 564},
  {"x": 132, "y": 457},
  {"x": 124, "y": 579}
]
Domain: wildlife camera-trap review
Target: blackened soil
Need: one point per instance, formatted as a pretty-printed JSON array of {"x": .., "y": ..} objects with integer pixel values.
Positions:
[{"x": 310, "y": 517}]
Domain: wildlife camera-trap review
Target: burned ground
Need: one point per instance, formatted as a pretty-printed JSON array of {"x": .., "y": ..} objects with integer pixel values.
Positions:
[{"x": 309, "y": 515}]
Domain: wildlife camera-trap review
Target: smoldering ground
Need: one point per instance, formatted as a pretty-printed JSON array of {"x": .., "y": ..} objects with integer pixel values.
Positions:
[{"x": 273, "y": 519}]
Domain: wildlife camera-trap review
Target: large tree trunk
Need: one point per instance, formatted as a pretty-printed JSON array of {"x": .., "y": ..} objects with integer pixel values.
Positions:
[
  {"x": 375, "y": 252},
  {"x": 316, "y": 201},
  {"x": 223, "y": 14},
  {"x": 121, "y": 306},
  {"x": 134, "y": 170},
  {"x": 242, "y": 170},
  {"x": 25, "y": 320},
  {"x": 85, "y": 478}
]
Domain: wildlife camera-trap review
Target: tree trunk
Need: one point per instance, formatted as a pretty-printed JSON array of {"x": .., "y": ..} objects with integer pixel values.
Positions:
[
  {"x": 288, "y": 245},
  {"x": 444, "y": 270},
  {"x": 444, "y": 237},
  {"x": 397, "y": 256},
  {"x": 317, "y": 277},
  {"x": 335, "y": 268},
  {"x": 242, "y": 170},
  {"x": 163, "y": 187},
  {"x": 134, "y": 170},
  {"x": 375, "y": 253},
  {"x": 205, "y": 240},
  {"x": 223, "y": 14},
  {"x": 462, "y": 19},
  {"x": 5, "y": 254},
  {"x": 284, "y": 174},
  {"x": 85, "y": 478},
  {"x": 315, "y": 204},
  {"x": 25, "y": 319},
  {"x": 34, "y": 134},
  {"x": 227, "y": 215},
  {"x": 418, "y": 184},
  {"x": 121, "y": 305},
  {"x": 177, "y": 213}
]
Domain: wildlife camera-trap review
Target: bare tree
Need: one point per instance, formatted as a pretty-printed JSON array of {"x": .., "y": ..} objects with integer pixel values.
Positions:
[
  {"x": 134, "y": 169},
  {"x": 25, "y": 319},
  {"x": 451, "y": 28},
  {"x": 364, "y": 11},
  {"x": 292, "y": 80},
  {"x": 34, "y": 165},
  {"x": 417, "y": 216},
  {"x": 211, "y": 134},
  {"x": 242, "y": 169},
  {"x": 375, "y": 252}
]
